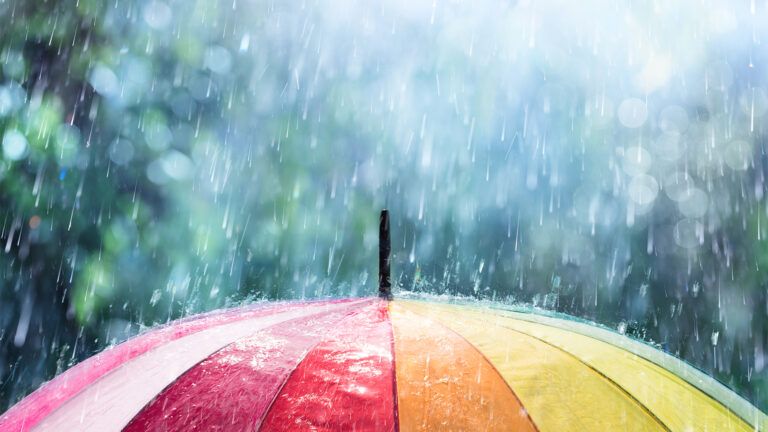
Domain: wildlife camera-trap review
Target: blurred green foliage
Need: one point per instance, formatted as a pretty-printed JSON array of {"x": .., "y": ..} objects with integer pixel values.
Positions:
[
  {"x": 135, "y": 197},
  {"x": 166, "y": 158}
]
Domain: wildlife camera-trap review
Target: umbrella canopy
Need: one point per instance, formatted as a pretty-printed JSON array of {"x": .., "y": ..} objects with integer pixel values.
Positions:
[{"x": 372, "y": 364}]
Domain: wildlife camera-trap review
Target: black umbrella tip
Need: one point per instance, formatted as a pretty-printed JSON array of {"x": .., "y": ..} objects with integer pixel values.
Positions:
[{"x": 385, "y": 248}]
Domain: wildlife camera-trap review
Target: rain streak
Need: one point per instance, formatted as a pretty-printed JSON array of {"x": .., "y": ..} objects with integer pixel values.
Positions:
[{"x": 602, "y": 159}]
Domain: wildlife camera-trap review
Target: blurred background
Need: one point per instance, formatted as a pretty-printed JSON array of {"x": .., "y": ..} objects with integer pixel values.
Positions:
[{"x": 601, "y": 158}]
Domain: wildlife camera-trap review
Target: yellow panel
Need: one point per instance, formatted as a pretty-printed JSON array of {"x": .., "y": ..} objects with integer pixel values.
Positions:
[
  {"x": 690, "y": 375},
  {"x": 443, "y": 383},
  {"x": 679, "y": 405},
  {"x": 559, "y": 392}
]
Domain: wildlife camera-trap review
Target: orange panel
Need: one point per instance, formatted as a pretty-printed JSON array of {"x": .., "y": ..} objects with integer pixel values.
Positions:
[{"x": 444, "y": 383}]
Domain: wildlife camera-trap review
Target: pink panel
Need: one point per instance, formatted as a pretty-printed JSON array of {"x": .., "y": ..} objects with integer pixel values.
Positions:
[
  {"x": 232, "y": 389},
  {"x": 345, "y": 383},
  {"x": 32, "y": 409}
]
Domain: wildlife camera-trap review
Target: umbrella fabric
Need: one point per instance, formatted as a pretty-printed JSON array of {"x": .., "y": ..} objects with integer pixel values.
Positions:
[
  {"x": 39, "y": 404},
  {"x": 373, "y": 365}
]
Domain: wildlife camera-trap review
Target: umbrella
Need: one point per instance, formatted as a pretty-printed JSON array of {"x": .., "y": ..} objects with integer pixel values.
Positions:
[
  {"x": 373, "y": 364},
  {"x": 383, "y": 364}
]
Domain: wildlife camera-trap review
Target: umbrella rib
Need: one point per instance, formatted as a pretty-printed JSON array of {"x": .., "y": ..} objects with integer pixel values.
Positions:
[
  {"x": 395, "y": 408},
  {"x": 485, "y": 359},
  {"x": 266, "y": 412},
  {"x": 73, "y": 374},
  {"x": 313, "y": 315},
  {"x": 602, "y": 375},
  {"x": 739, "y": 413}
]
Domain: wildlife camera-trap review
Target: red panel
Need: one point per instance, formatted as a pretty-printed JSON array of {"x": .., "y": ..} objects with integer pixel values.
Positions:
[
  {"x": 345, "y": 383},
  {"x": 232, "y": 389},
  {"x": 28, "y": 412}
]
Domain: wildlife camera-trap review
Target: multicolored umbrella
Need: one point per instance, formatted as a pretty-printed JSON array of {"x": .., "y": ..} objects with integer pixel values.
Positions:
[{"x": 376, "y": 365}]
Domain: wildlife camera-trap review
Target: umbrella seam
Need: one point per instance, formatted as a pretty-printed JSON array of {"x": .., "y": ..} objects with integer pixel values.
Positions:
[
  {"x": 264, "y": 416},
  {"x": 527, "y": 414},
  {"x": 6, "y": 417},
  {"x": 223, "y": 348},
  {"x": 752, "y": 423},
  {"x": 602, "y": 375},
  {"x": 395, "y": 408},
  {"x": 735, "y": 403}
]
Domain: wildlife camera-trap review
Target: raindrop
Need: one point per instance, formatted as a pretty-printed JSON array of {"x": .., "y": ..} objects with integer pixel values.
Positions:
[
  {"x": 754, "y": 102},
  {"x": 104, "y": 80},
  {"x": 157, "y": 15},
  {"x": 156, "y": 294},
  {"x": 182, "y": 104},
  {"x": 12, "y": 97},
  {"x": 177, "y": 165},
  {"x": 158, "y": 136},
  {"x": 67, "y": 139},
  {"x": 14, "y": 145},
  {"x": 135, "y": 74},
  {"x": 155, "y": 172},
  {"x": 694, "y": 203},
  {"x": 643, "y": 189},
  {"x": 655, "y": 74},
  {"x": 686, "y": 233},
  {"x": 637, "y": 161},
  {"x": 121, "y": 151},
  {"x": 245, "y": 42},
  {"x": 13, "y": 64},
  {"x": 200, "y": 86},
  {"x": 218, "y": 59},
  {"x": 738, "y": 155},
  {"x": 632, "y": 113},
  {"x": 677, "y": 186}
]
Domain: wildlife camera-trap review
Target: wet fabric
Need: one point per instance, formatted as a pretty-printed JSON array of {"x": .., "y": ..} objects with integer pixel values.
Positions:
[
  {"x": 376, "y": 365},
  {"x": 443, "y": 382},
  {"x": 634, "y": 393},
  {"x": 345, "y": 383},
  {"x": 232, "y": 389},
  {"x": 38, "y": 405}
]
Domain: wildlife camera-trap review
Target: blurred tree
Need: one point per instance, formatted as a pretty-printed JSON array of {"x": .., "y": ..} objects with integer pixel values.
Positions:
[{"x": 162, "y": 158}]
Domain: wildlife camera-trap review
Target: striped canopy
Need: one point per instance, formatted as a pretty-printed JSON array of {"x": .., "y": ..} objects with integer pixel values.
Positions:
[{"x": 376, "y": 365}]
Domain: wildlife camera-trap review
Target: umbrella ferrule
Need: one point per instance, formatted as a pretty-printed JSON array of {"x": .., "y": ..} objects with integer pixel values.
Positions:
[{"x": 385, "y": 248}]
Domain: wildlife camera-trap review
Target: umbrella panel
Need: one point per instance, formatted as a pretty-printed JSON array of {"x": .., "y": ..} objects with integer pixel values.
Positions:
[
  {"x": 233, "y": 388},
  {"x": 375, "y": 365},
  {"x": 345, "y": 383}
]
